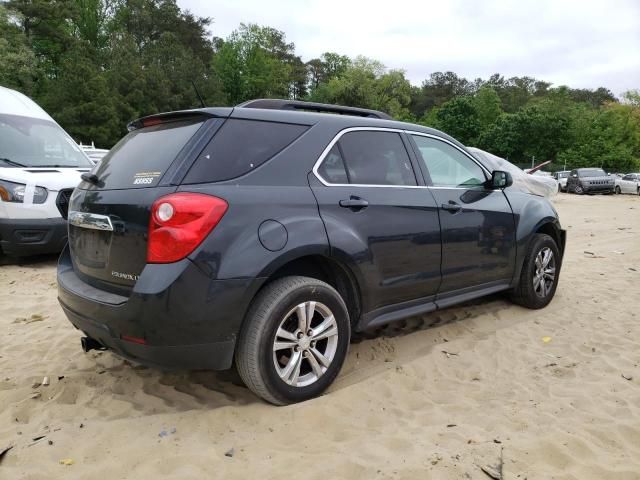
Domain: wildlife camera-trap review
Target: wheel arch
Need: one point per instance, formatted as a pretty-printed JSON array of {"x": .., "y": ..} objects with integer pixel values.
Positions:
[{"x": 319, "y": 265}]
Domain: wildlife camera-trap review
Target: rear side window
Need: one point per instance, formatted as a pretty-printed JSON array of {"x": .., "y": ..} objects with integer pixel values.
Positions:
[
  {"x": 141, "y": 157},
  {"x": 374, "y": 158},
  {"x": 239, "y": 147},
  {"x": 332, "y": 168}
]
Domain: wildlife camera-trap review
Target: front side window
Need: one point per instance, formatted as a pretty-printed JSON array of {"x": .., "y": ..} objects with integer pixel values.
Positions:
[
  {"x": 371, "y": 158},
  {"x": 447, "y": 166},
  {"x": 33, "y": 142}
]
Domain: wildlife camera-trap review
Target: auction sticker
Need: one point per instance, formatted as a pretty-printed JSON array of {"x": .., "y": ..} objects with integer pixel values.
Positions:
[{"x": 145, "y": 178}]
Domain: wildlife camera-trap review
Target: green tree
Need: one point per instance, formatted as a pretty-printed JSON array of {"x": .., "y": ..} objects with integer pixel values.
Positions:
[
  {"x": 366, "y": 83},
  {"x": 255, "y": 62},
  {"x": 487, "y": 105},
  {"x": 438, "y": 89},
  {"x": 18, "y": 68},
  {"x": 459, "y": 118}
]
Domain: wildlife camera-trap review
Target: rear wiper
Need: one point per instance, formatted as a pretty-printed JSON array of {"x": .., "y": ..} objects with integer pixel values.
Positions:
[{"x": 11, "y": 162}]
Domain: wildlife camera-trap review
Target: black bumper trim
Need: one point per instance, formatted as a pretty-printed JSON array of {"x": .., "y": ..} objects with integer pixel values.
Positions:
[
  {"x": 204, "y": 356},
  {"x": 23, "y": 237}
]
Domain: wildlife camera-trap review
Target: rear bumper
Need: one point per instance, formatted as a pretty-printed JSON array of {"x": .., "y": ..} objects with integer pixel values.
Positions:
[
  {"x": 203, "y": 356},
  {"x": 186, "y": 319},
  {"x": 23, "y": 237}
]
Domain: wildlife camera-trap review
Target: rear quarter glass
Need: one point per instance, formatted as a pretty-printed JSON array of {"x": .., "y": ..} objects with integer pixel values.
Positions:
[
  {"x": 241, "y": 146},
  {"x": 141, "y": 158}
]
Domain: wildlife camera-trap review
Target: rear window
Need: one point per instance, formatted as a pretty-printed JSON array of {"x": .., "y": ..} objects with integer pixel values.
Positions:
[
  {"x": 141, "y": 158},
  {"x": 239, "y": 147}
]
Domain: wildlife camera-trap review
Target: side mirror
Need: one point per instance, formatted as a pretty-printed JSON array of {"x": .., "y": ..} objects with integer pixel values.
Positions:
[{"x": 500, "y": 179}]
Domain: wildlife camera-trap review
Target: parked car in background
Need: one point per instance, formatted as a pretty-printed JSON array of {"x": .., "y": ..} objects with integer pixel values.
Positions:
[
  {"x": 94, "y": 154},
  {"x": 39, "y": 167},
  {"x": 266, "y": 233},
  {"x": 590, "y": 180},
  {"x": 629, "y": 183},
  {"x": 561, "y": 177}
]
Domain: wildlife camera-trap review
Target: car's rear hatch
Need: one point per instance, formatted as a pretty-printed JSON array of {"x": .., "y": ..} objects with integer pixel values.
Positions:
[{"x": 109, "y": 215}]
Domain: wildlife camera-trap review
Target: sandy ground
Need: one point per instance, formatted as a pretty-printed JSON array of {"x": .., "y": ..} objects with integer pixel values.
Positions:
[{"x": 501, "y": 397}]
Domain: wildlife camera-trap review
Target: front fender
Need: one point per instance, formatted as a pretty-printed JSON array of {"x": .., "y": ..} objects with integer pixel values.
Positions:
[{"x": 532, "y": 214}]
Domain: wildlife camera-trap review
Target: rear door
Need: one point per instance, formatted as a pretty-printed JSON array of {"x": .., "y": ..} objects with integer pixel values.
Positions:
[
  {"x": 477, "y": 224},
  {"x": 109, "y": 219},
  {"x": 376, "y": 213}
]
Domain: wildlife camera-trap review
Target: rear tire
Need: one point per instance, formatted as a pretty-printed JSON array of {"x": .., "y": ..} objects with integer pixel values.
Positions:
[
  {"x": 536, "y": 288},
  {"x": 276, "y": 358},
  {"x": 618, "y": 192}
]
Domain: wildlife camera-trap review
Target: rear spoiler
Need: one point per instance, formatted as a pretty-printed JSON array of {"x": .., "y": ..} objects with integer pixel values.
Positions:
[{"x": 202, "y": 113}]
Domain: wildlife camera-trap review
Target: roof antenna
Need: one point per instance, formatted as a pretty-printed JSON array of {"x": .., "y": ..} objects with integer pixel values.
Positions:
[{"x": 198, "y": 94}]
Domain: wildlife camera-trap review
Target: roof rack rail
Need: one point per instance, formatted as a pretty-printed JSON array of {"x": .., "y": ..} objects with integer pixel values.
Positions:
[{"x": 276, "y": 104}]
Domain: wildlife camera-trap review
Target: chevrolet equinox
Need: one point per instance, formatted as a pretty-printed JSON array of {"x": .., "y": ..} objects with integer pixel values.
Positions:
[{"x": 266, "y": 233}]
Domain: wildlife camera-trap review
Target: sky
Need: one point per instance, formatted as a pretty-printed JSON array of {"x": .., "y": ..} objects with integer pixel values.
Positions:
[{"x": 582, "y": 44}]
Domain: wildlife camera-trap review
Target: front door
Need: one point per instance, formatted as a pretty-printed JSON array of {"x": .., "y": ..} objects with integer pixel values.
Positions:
[
  {"x": 375, "y": 212},
  {"x": 477, "y": 224},
  {"x": 628, "y": 183}
]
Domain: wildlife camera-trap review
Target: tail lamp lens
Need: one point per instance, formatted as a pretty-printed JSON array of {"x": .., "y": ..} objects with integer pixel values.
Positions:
[{"x": 179, "y": 223}]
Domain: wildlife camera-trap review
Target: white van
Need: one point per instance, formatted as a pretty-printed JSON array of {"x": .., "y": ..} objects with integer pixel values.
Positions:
[{"x": 40, "y": 165}]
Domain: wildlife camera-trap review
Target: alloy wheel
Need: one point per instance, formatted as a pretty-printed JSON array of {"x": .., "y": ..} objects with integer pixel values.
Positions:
[
  {"x": 545, "y": 272},
  {"x": 305, "y": 344}
]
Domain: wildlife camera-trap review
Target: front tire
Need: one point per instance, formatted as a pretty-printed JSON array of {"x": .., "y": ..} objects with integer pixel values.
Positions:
[
  {"x": 294, "y": 340},
  {"x": 578, "y": 189},
  {"x": 618, "y": 191},
  {"x": 540, "y": 273}
]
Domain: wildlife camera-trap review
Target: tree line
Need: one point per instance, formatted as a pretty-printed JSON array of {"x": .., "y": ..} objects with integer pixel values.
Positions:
[{"x": 94, "y": 65}]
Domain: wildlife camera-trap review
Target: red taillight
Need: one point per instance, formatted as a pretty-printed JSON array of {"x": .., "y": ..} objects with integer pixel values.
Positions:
[{"x": 179, "y": 222}]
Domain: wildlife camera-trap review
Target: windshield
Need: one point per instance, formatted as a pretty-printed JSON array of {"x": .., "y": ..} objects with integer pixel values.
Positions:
[
  {"x": 591, "y": 172},
  {"x": 563, "y": 174},
  {"x": 33, "y": 142}
]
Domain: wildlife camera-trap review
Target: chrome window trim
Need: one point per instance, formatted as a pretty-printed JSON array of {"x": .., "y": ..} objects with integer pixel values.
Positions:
[
  {"x": 91, "y": 221},
  {"x": 335, "y": 140}
]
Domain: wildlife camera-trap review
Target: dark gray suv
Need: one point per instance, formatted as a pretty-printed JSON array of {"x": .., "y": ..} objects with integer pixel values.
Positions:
[
  {"x": 265, "y": 234},
  {"x": 590, "y": 180}
]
